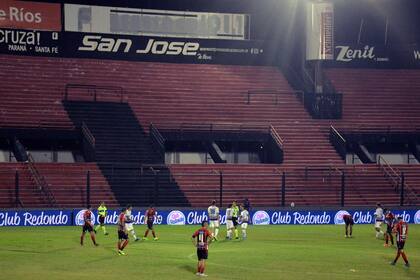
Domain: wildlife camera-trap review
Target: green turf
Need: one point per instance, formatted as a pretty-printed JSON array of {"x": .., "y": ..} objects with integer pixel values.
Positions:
[{"x": 271, "y": 252}]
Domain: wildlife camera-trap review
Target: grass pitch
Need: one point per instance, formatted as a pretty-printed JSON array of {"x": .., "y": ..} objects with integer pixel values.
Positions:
[{"x": 270, "y": 252}]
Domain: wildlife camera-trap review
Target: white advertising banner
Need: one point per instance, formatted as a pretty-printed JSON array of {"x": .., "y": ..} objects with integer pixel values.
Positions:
[
  {"x": 320, "y": 31},
  {"x": 163, "y": 23}
]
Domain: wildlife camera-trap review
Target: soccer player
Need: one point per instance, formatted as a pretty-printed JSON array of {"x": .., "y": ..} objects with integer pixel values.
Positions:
[
  {"x": 379, "y": 219},
  {"x": 214, "y": 217},
  {"x": 244, "y": 219},
  {"x": 149, "y": 220},
  {"x": 348, "y": 220},
  {"x": 102, "y": 212},
  {"x": 401, "y": 230},
  {"x": 235, "y": 214},
  {"x": 229, "y": 222},
  {"x": 390, "y": 222},
  {"x": 201, "y": 240},
  {"x": 129, "y": 222},
  {"x": 122, "y": 233},
  {"x": 88, "y": 226}
]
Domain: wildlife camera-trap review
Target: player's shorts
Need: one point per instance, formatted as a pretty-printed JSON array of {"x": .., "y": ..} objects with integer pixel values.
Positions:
[
  {"x": 202, "y": 254},
  {"x": 349, "y": 222},
  {"x": 101, "y": 220},
  {"x": 229, "y": 224},
  {"x": 122, "y": 235},
  {"x": 149, "y": 224},
  {"x": 378, "y": 224},
  {"x": 214, "y": 223},
  {"x": 235, "y": 221},
  {"x": 400, "y": 245},
  {"x": 129, "y": 226},
  {"x": 244, "y": 225},
  {"x": 87, "y": 227}
]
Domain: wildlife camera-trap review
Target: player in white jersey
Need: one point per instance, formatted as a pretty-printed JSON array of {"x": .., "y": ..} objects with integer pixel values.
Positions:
[
  {"x": 214, "y": 218},
  {"x": 129, "y": 223},
  {"x": 379, "y": 219},
  {"x": 244, "y": 219},
  {"x": 229, "y": 222}
]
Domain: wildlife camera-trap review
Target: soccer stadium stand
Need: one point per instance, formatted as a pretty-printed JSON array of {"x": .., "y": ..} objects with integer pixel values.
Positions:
[{"x": 171, "y": 94}]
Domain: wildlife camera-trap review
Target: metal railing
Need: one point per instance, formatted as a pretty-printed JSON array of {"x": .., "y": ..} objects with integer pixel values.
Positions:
[
  {"x": 312, "y": 185},
  {"x": 94, "y": 90},
  {"x": 276, "y": 137},
  {"x": 390, "y": 173},
  {"x": 215, "y": 127},
  {"x": 157, "y": 139},
  {"x": 397, "y": 180},
  {"x": 275, "y": 92},
  {"x": 40, "y": 181},
  {"x": 88, "y": 135},
  {"x": 338, "y": 141}
]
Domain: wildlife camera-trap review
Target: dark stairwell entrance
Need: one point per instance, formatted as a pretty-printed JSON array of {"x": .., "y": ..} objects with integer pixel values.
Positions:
[{"x": 125, "y": 155}]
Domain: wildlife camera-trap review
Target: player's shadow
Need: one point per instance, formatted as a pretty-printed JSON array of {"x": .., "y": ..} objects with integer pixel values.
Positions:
[{"x": 189, "y": 268}]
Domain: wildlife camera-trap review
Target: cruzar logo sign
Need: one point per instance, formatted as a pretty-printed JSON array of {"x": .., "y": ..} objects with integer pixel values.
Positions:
[{"x": 93, "y": 43}]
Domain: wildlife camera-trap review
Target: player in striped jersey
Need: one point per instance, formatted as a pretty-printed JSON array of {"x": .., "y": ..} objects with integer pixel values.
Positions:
[
  {"x": 88, "y": 227},
  {"x": 122, "y": 233},
  {"x": 401, "y": 231},
  {"x": 201, "y": 240},
  {"x": 244, "y": 219},
  {"x": 214, "y": 217},
  {"x": 390, "y": 222}
]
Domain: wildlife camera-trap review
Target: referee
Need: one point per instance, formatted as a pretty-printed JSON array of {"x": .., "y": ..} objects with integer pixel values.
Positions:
[{"x": 235, "y": 214}]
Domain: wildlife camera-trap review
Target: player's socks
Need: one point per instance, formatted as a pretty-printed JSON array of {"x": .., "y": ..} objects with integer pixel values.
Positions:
[
  {"x": 154, "y": 234},
  {"x": 93, "y": 239},
  {"x": 104, "y": 230},
  {"x": 244, "y": 234},
  {"x": 81, "y": 240},
  {"x": 397, "y": 257},
  {"x": 236, "y": 233},
  {"x": 404, "y": 257},
  {"x": 133, "y": 233},
  {"x": 146, "y": 233},
  {"x": 123, "y": 245},
  {"x": 97, "y": 227},
  {"x": 216, "y": 232}
]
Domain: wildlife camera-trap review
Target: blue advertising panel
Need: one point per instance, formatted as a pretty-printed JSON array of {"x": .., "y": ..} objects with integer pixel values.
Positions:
[
  {"x": 36, "y": 218},
  {"x": 194, "y": 217}
]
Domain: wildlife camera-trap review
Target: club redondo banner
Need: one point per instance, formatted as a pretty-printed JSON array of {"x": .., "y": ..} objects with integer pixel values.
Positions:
[{"x": 194, "y": 217}]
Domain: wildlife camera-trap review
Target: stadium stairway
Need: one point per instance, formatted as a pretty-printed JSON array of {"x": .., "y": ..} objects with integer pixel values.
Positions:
[
  {"x": 29, "y": 195},
  {"x": 67, "y": 182},
  {"x": 125, "y": 155}
]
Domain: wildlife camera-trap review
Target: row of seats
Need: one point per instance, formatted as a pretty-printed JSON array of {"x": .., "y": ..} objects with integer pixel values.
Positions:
[{"x": 67, "y": 183}]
